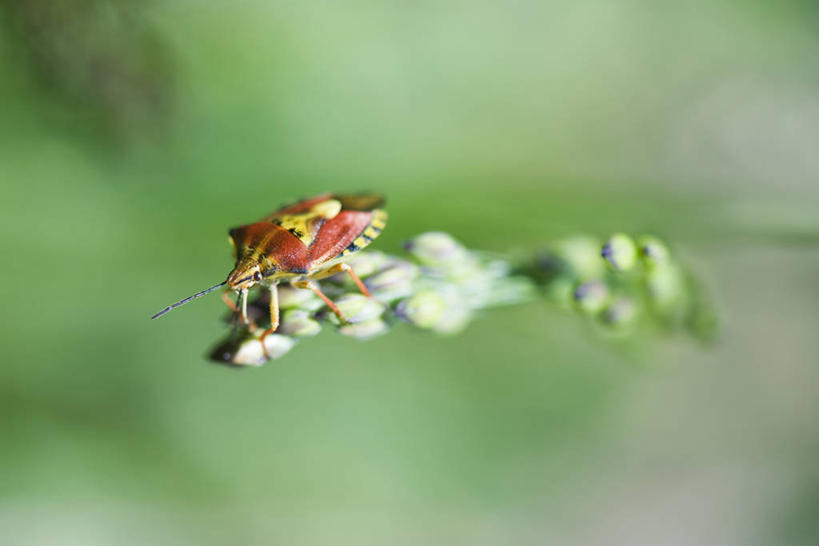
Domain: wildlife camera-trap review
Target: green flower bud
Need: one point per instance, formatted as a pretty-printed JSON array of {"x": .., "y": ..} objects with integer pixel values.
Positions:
[
  {"x": 394, "y": 282},
  {"x": 366, "y": 263},
  {"x": 249, "y": 353},
  {"x": 356, "y": 308},
  {"x": 581, "y": 255},
  {"x": 591, "y": 296},
  {"x": 423, "y": 309},
  {"x": 455, "y": 319},
  {"x": 436, "y": 248},
  {"x": 666, "y": 286},
  {"x": 364, "y": 330},
  {"x": 620, "y": 312},
  {"x": 620, "y": 251},
  {"x": 653, "y": 251},
  {"x": 278, "y": 345},
  {"x": 291, "y": 297},
  {"x": 298, "y": 323},
  {"x": 226, "y": 351}
]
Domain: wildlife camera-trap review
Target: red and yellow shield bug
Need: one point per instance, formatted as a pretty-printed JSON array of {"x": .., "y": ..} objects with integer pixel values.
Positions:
[{"x": 300, "y": 244}]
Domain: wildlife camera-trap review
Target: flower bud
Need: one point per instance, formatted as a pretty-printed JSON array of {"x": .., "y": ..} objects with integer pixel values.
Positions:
[
  {"x": 249, "y": 353},
  {"x": 298, "y": 323},
  {"x": 278, "y": 345},
  {"x": 436, "y": 248},
  {"x": 620, "y": 251},
  {"x": 454, "y": 320},
  {"x": 364, "y": 330},
  {"x": 356, "y": 308},
  {"x": 581, "y": 256},
  {"x": 591, "y": 296},
  {"x": 226, "y": 351},
  {"x": 366, "y": 263},
  {"x": 292, "y": 297},
  {"x": 393, "y": 282},
  {"x": 653, "y": 251},
  {"x": 423, "y": 309},
  {"x": 666, "y": 286},
  {"x": 620, "y": 312}
]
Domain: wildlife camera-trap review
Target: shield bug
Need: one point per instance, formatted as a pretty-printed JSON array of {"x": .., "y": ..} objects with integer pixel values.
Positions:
[{"x": 299, "y": 244}]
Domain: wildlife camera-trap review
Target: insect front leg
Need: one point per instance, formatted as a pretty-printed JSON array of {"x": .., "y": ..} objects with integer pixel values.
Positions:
[
  {"x": 274, "y": 308},
  {"x": 274, "y": 316},
  {"x": 310, "y": 285},
  {"x": 347, "y": 268},
  {"x": 241, "y": 300},
  {"x": 244, "y": 306},
  {"x": 229, "y": 302}
]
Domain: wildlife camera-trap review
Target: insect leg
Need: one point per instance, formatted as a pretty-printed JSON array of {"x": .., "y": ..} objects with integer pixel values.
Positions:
[
  {"x": 244, "y": 306},
  {"x": 274, "y": 316},
  {"x": 274, "y": 308},
  {"x": 356, "y": 280},
  {"x": 229, "y": 302},
  {"x": 310, "y": 285},
  {"x": 234, "y": 307},
  {"x": 347, "y": 268}
]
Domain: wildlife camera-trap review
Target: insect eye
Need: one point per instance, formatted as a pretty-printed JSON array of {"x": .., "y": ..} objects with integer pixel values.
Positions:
[{"x": 257, "y": 276}]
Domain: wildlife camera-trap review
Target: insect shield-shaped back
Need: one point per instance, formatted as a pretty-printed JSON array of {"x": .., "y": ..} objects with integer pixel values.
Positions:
[{"x": 303, "y": 239}]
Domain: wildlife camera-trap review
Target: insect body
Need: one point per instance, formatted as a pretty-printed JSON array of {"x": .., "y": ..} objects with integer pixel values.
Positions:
[{"x": 300, "y": 244}]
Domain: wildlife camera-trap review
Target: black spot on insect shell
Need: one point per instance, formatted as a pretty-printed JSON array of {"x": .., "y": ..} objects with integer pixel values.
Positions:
[
  {"x": 296, "y": 232},
  {"x": 352, "y": 248}
]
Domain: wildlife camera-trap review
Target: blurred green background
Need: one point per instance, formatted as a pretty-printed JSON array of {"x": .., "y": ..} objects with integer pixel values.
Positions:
[{"x": 133, "y": 134}]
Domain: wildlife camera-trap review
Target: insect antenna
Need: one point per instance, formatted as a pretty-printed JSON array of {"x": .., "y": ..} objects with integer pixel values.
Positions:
[{"x": 188, "y": 299}]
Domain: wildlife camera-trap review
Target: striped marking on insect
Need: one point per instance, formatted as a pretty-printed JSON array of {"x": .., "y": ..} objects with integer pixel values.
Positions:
[{"x": 370, "y": 232}]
